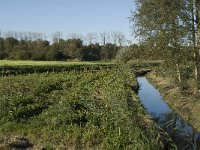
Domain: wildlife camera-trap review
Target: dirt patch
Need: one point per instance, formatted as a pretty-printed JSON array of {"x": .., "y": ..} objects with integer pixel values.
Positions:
[{"x": 15, "y": 143}]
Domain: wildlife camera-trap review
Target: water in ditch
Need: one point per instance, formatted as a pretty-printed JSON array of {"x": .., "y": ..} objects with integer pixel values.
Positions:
[{"x": 183, "y": 135}]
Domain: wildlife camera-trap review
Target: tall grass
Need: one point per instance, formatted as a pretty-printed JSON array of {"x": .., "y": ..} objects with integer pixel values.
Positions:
[{"x": 87, "y": 109}]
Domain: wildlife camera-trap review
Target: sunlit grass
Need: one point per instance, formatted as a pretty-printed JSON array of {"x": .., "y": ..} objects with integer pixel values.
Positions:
[{"x": 45, "y": 63}]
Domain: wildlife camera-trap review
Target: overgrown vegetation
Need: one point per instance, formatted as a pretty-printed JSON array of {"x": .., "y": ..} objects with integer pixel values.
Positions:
[{"x": 87, "y": 109}]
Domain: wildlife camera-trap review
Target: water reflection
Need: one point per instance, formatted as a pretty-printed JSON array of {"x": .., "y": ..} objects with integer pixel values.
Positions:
[{"x": 182, "y": 134}]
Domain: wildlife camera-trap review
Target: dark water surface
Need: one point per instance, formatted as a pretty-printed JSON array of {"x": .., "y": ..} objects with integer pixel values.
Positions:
[{"x": 182, "y": 134}]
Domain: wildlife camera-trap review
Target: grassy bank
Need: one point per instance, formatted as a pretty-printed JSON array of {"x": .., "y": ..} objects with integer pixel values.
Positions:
[
  {"x": 185, "y": 103},
  {"x": 79, "y": 109}
]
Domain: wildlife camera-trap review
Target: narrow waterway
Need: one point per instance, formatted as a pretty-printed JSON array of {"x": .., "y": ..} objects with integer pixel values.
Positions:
[{"x": 182, "y": 134}]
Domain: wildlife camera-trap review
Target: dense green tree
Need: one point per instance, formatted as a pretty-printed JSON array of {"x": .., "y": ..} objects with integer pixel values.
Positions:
[
  {"x": 163, "y": 25},
  {"x": 33, "y": 46},
  {"x": 73, "y": 48},
  {"x": 40, "y": 50},
  {"x": 55, "y": 54},
  {"x": 91, "y": 52},
  {"x": 2, "y": 51},
  {"x": 108, "y": 51},
  {"x": 20, "y": 54},
  {"x": 10, "y": 44}
]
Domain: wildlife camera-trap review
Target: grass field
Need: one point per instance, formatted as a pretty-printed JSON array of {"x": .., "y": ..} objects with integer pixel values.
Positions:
[
  {"x": 53, "y": 63},
  {"x": 45, "y": 63},
  {"x": 79, "y": 109},
  {"x": 9, "y": 67},
  {"x": 15, "y": 67}
]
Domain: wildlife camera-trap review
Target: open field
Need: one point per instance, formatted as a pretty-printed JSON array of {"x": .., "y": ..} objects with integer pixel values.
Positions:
[
  {"x": 46, "y": 63},
  {"x": 78, "y": 109},
  {"x": 9, "y": 67},
  {"x": 62, "y": 63}
]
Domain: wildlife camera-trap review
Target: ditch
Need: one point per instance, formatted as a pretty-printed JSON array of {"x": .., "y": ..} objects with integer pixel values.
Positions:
[{"x": 183, "y": 135}]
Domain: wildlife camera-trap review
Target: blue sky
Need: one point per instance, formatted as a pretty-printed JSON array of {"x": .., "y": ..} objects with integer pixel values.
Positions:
[{"x": 67, "y": 16}]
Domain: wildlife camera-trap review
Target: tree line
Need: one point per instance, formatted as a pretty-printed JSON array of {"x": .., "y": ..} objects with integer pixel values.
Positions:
[
  {"x": 35, "y": 46},
  {"x": 171, "y": 29}
]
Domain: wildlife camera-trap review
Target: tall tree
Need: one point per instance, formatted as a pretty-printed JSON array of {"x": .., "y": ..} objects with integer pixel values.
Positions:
[
  {"x": 196, "y": 20},
  {"x": 10, "y": 44},
  {"x": 73, "y": 48},
  {"x": 56, "y": 37},
  {"x": 108, "y": 51},
  {"x": 162, "y": 25},
  {"x": 91, "y": 37},
  {"x": 195, "y": 28},
  {"x": 2, "y": 52},
  {"x": 104, "y": 36}
]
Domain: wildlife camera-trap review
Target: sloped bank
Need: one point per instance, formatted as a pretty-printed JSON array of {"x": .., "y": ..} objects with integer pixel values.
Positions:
[{"x": 187, "y": 105}]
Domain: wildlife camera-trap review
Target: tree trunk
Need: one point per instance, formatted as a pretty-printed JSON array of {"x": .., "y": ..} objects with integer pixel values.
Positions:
[
  {"x": 196, "y": 39},
  {"x": 198, "y": 42},
  {"x": 178, "y": 73}
]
